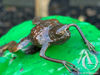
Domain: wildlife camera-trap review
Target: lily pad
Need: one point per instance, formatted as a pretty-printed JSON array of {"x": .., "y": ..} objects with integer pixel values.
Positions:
[{"x": 33, "y": 64}]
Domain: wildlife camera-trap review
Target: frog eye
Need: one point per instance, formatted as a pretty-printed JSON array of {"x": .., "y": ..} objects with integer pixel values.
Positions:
[{"x": 62, "y": 32}]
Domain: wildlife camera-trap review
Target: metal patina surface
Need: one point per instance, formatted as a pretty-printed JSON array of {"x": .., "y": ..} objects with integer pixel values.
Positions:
[{"x": 33, "y": 64}]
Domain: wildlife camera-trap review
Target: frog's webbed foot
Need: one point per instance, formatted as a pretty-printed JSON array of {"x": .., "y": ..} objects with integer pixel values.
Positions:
[
  {"x": 90, "y": 46},
  {"x": 14, "y": 47},
  {"x": 71, "y": 66}
]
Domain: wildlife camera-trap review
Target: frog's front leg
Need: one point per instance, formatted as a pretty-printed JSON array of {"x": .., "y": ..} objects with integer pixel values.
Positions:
[
  {"x": 13, "y": 46},
  {"x": 90, "y": 46},
  {"x": 65, "y": 63}
]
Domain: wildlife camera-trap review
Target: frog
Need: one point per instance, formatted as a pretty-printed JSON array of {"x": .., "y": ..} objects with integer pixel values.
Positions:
[{"x": 45, "y": 34}]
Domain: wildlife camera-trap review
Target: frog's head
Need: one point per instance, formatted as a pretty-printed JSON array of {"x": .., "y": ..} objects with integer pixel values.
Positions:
[
  {"x": 63, "y": 31},
  {"x": 59, "y": 34}
]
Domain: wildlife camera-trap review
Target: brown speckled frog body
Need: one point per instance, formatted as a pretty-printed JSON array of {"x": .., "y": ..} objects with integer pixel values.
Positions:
[
  {"x": 45, "y": 33},
  {"x": 49, "y": 31}
]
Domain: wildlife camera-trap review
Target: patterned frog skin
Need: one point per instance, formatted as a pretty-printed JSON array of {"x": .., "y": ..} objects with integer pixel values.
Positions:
[
  {"x": 49, "y": 31},
  {"x": 45, "y": 33}
]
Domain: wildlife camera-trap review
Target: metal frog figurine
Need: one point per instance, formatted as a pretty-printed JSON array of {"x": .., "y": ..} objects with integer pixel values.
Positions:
[{"x": 45, "y": 33}]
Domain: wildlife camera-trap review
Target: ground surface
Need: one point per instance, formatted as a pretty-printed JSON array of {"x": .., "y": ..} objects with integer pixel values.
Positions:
[{"x": 70, "y": 51}]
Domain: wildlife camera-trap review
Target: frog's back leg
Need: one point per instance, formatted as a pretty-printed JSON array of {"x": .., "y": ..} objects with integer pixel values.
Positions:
[{"x": 13, "y": 46}]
